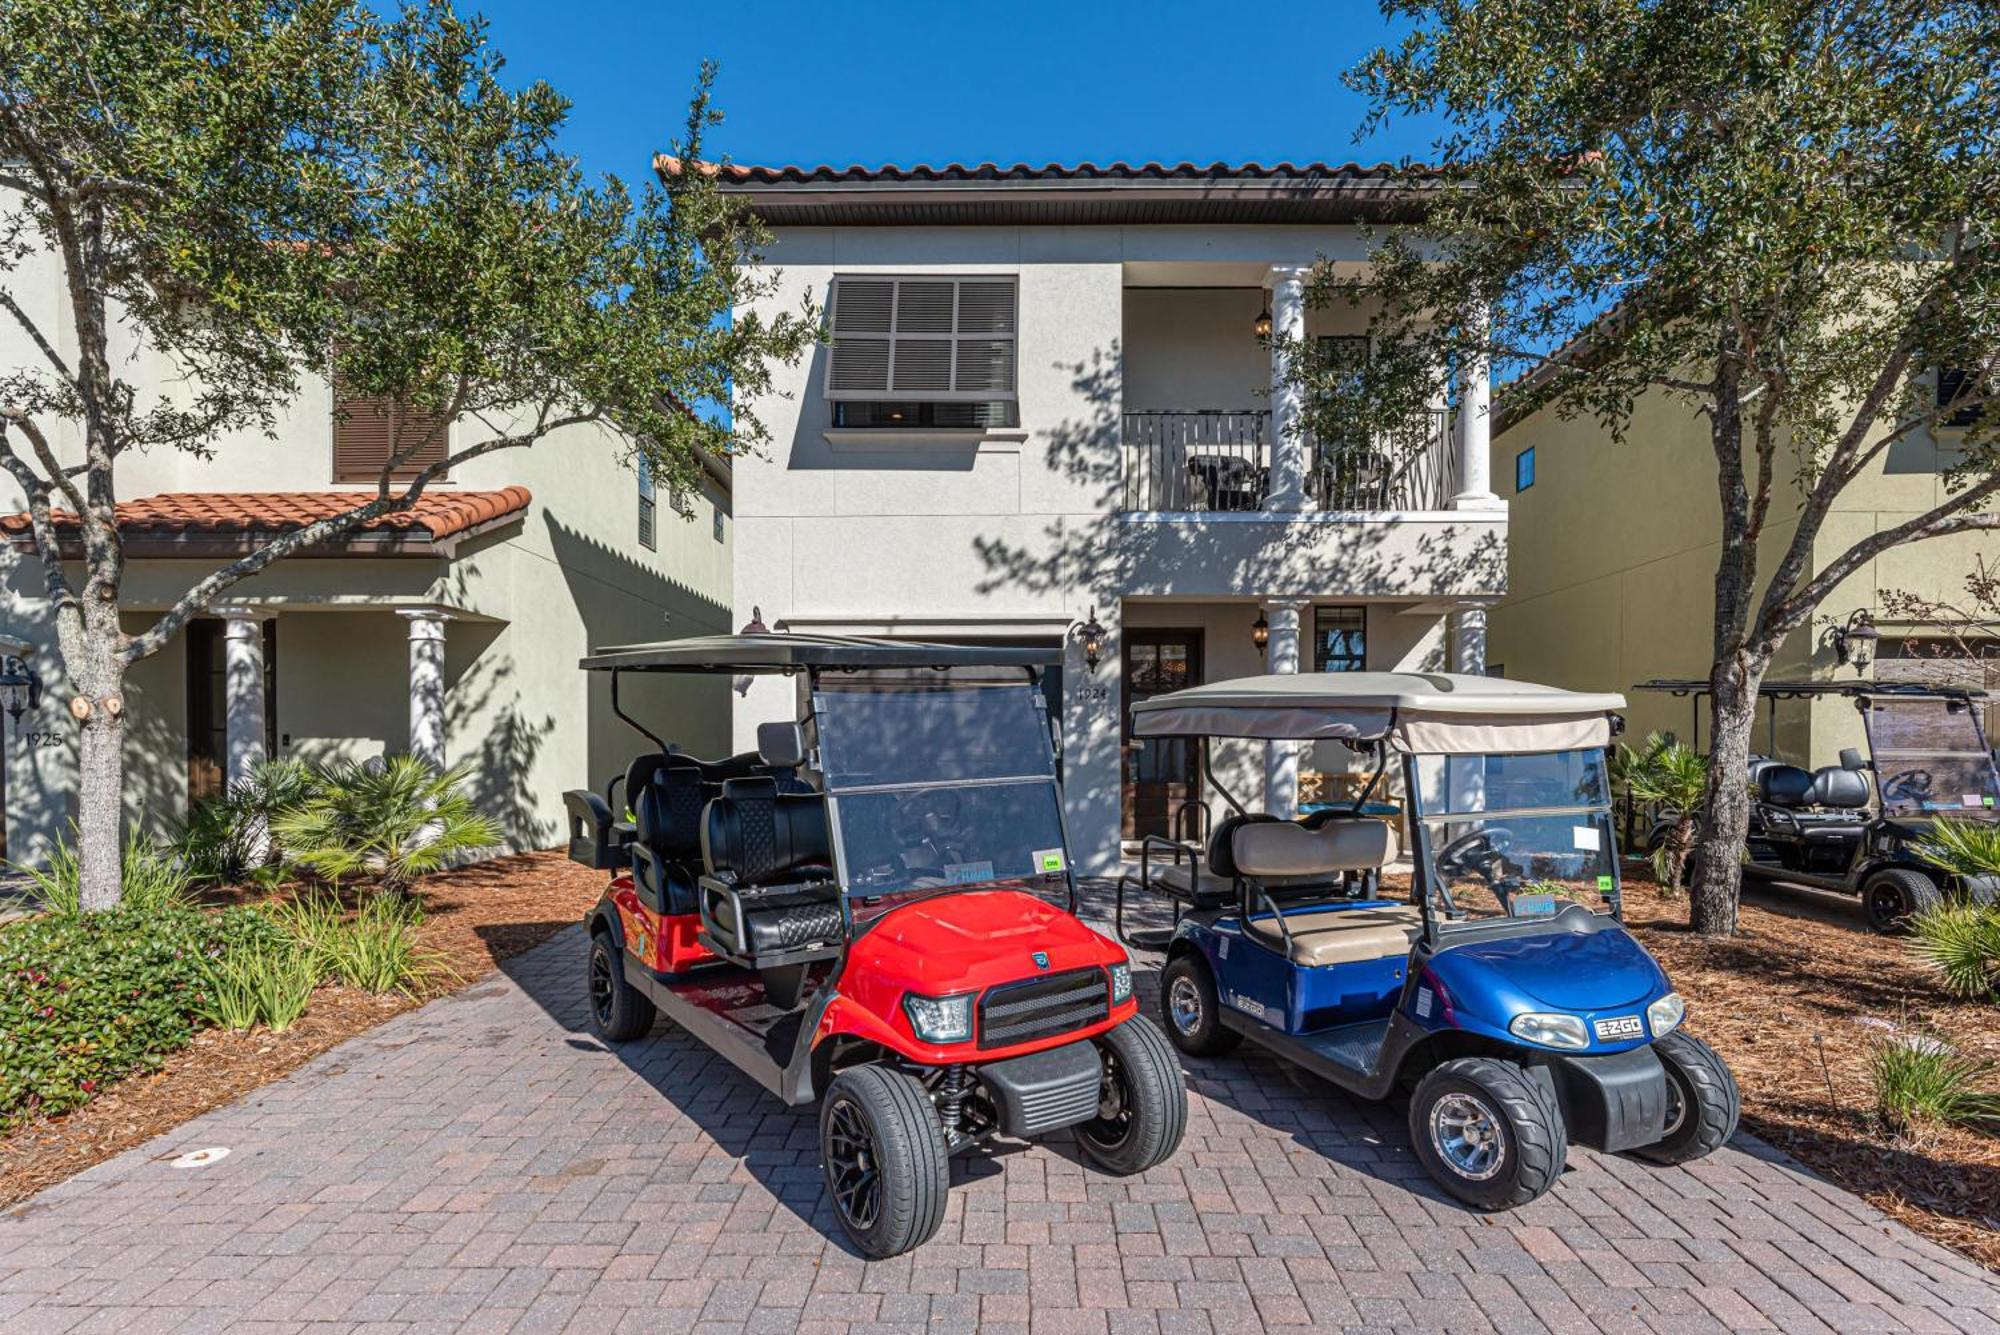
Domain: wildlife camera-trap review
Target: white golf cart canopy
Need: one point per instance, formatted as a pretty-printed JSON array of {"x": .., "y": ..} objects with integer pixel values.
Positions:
[{"x": 1425, "y": 713}]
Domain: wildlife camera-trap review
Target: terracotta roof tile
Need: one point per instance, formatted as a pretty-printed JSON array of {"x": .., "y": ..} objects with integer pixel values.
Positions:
[
  {"x": 436, "y": 515},
  {"x": 1053, "y": 171}
]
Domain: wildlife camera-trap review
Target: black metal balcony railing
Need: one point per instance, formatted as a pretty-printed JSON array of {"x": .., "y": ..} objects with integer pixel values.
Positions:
[{"x": 1215, "y": 460}]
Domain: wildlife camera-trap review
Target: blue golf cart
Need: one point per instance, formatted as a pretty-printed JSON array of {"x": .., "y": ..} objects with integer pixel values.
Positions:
[{"x": 1502, "y": 991}]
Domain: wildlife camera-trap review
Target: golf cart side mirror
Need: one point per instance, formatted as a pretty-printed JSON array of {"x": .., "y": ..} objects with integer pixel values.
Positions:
[{"x": 1851, "y": 758}]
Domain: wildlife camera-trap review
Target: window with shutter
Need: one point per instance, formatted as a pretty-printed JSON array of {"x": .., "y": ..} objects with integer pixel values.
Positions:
[
  {"x": 922, "y": 351},
  {"x": 368, "y": 432},
  {"x": 1952, "y": 383}
]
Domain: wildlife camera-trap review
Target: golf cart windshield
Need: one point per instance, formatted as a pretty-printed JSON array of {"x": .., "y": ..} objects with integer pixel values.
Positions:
[
  {"x": 1521, "y": 835},
  {"x": 939, "y": 785},
  {"x": 1930, "y": 756}
]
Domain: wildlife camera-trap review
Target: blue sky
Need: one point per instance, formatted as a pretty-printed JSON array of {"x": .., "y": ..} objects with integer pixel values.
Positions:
[{"x": 912, "y": 82}]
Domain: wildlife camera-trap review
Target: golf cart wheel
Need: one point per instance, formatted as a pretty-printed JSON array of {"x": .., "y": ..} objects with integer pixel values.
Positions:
[
  {"x": 1894, "y": 895},
  {"x": 1191, "y": 1010},
  {"x": 887, "y": 1167},
  {"x": 1490, "y": 1133},
  {"x": 617, "y": 1012},
  {"x": 1141, "y": 1105},
  {"x": 1703, "y": 1105}
]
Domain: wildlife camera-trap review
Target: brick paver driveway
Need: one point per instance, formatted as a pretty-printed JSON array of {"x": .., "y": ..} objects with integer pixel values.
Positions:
[{"x": 483, "y": 1164}]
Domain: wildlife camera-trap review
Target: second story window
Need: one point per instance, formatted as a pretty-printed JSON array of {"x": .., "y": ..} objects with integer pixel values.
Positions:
[
  {"x": 1954, "y": 384},
  {"x": 368, "y": 432},
  {"x": 930, "y": 351},
  {"x": 647, "y": 537},
  {"x": 1524, "y": 469}
]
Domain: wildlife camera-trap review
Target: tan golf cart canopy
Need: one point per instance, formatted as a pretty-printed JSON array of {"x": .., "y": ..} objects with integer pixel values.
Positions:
[{"x": 1427, "y": 713}]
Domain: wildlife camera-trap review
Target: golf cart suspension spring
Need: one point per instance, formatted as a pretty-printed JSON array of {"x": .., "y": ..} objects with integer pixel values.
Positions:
[{"x": 951, "y": 1099}]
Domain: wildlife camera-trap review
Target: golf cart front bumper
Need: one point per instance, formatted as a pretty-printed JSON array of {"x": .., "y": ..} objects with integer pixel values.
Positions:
[
  {"x": 1614, "y": 1101},
  {"x": 1045, "y": 1090}
]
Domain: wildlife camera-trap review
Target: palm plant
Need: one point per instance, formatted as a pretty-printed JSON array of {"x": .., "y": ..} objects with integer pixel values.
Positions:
[
  {"x": 227, "y": 839},
  {"x": 1962, "y": 847},
  {"x": 1672, "y": 778},
  {"x": 394, "y": 821},
  {"x": 1962, "y": 942}
]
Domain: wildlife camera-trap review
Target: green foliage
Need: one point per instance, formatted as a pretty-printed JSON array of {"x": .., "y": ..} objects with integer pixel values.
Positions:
[
  {"x": 151, "y": 879},
  {"x": 86, "y": 999},
  {"x": 1672, "y": 778},
  {"x": 374, "y": 949},
  {"x": 1962, "y": 942},
  {"x": 1921, "y": 1085},
  {"x": 268, "y": 983},
  {"x": 1962, "y": 847},
  {"x": 394, "y": 821},
  {"x": 226, "y": 840}
]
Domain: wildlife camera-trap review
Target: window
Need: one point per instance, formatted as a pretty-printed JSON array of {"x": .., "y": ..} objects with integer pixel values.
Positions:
[
  {"x": 923, "y": 352},
  {"x": 1340, "y": 639},
  {"x": 647, "y": 508},
  {"x": 1951, "y": 382},
  {"x": 368, "y": 432},
  {"x": 1524, "y": 469}
]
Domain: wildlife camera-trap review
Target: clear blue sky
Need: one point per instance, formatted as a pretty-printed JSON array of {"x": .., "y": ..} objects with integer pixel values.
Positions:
[{"x": 914, "y": 82}]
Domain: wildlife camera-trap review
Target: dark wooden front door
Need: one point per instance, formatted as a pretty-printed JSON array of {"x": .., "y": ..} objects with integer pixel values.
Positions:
[
  {"x": 208, "y": 705},
  {"x": 1160, "y": 772}
]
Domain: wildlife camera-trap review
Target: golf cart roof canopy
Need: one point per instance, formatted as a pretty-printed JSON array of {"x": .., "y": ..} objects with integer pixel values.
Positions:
[
  {"x": 1443, "y": 713},
  {"x": 1803, "y": 690},
  {"x": 785, "y": 653}
]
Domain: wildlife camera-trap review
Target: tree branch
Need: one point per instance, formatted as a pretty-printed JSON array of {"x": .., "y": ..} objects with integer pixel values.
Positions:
[
  {"x": 34, "y": 332},
  {"x": 57, "y": 475},
  {"x": 62, "y": 598}
]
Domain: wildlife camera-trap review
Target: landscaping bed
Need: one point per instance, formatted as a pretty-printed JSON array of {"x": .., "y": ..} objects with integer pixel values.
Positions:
[
  {"x": 474, "y": 917},
  {"x": 1796, "y": 1004}
]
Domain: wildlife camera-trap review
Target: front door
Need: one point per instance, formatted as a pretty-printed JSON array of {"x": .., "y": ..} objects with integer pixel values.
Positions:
[
  {"x": 1160, "y": 772},
  {"x": 208, "y": 705}
]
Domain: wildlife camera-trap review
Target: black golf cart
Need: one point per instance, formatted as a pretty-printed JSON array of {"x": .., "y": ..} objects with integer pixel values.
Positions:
[{"x": 1853, "y": 827}]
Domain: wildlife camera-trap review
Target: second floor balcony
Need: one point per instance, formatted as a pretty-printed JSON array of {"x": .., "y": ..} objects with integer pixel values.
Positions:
[{"x": 1222, "y": 460}]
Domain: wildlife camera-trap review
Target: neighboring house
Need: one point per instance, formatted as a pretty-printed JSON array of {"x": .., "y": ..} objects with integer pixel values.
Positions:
[
  {"x": 1046, "y": 400},
  {"x": 1611, "y": 571},
  {"x": 453, "y": 630}
]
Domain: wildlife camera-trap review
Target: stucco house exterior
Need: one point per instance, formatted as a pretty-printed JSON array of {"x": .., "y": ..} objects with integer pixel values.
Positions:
[
  {"x": 453, "y": 630},
  {"x": 1612, "y": 565},
  {"x": 1046, "y": 403}
]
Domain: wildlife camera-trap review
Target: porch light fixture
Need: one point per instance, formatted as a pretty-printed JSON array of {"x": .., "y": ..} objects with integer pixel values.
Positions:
[
  {"x": 20, "y": 688},
  {"x": 1091, "y": 635},
  {"x": 1260, "y": 632},
  {"x": 1262, "y": 327},
  {"x": 1854, "y": 641}
]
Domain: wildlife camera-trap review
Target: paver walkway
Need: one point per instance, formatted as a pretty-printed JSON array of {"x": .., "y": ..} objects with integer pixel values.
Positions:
[{"x": 483, "y": 1164}]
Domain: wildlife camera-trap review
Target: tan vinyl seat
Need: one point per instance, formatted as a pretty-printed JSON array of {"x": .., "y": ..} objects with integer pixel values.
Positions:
[{"x": 1346, "y": 936}]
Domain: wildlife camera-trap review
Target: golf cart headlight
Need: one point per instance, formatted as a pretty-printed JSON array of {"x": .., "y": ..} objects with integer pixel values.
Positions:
[
  {"x": 1121, "y": 983},
  {"x": 1551, "y": 1031},
  {"x": 1666, "y": 1014},
  {"x": 940, "y": 1019}
]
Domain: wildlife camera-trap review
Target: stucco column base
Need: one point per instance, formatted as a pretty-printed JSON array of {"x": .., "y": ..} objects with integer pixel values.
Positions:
[{"x": 1281, "y": 758}]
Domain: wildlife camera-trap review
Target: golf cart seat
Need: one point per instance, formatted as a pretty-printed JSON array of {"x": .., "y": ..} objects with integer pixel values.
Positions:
[
  {"x": 1281, "y": 858},
  {"x": 1839, "y": 787},
  {"x": 768, "y": 898},
  {"x": 666, "y": 846}
]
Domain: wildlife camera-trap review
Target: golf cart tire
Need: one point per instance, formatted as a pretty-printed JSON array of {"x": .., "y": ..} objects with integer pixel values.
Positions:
[
  {"x": 1156, "y": 1092},
  {"x": 623, "y": 1014},
  {"x": 1710, "y": 1103},
  {"x": 1915, "y": 893},
  {"x": 1535, "y": 1140},
  {"x": 912, "y": 1162},
  {"x": 1207, "y": 1035}
]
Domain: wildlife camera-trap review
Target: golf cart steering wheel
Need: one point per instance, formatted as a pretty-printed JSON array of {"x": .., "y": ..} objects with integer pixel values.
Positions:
[
  {"x": 1479, "y": 852},
  {"x": 927, "y": 823},
  {"x": 1910, "y": 785}
]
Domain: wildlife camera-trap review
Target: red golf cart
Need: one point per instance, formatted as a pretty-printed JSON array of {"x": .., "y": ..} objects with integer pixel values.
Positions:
[{"x": 862, "y": 912}]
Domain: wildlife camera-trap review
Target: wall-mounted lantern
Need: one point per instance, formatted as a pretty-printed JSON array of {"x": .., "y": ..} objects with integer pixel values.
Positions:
[
  {"x": 1091, "y": 635},
  {"x": 1854, "y": 641},
  {"x": 20, "y": 688},
  {"x": 1262, "y": 327},
  {"x": 1260, "y": 632}
]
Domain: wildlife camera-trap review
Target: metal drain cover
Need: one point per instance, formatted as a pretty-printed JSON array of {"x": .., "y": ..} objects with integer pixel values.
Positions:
[{"x": 200, "y": 1158}]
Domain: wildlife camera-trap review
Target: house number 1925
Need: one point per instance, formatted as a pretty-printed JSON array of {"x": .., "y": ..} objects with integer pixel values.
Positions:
[{"x": 42, "y": 739}]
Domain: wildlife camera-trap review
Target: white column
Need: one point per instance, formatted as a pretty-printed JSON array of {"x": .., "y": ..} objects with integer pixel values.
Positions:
[
  {"x": 1281, "y": 758},
  {"x": 1468, "y": 640},
  {"x": 1288, "y": 441},
  {"x": 427, "y": 684},
  {"x": 1474, "y": 438},
  {"x": 243, "y": 692}
]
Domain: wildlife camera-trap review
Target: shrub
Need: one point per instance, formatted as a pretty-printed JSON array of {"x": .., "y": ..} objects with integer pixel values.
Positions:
[
  {"x": 150, "y": 879},
  {"x": 88, "y": 998},
  {"x": 226, "y": 840},
  {"x": 262, "y": 982},
  {"x": 1672, "y": 778},
  {"x": 1961, "y": 847},
  {"x": 1962, "y": 942},
  {"x": 374, "y": 949},
  {"x": 394, "y": 821},
  {"x": 1921, "y": 1084}
]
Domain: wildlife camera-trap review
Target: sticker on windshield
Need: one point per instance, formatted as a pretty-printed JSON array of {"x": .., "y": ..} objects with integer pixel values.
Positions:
[
  {"x": 1604, "y": 885},
  {"x": 1532, "y": 906},
  {"x": 1048, "y": 860},
  {"x": 1972, "y": 800},
  {"x": 966, "y": 873},
  {"x": 1584, "y": 837}
]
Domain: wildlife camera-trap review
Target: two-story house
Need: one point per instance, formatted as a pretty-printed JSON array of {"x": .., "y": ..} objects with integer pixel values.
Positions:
[
  {"x": 452, "y": 631},
  {"x": 1050, "y": 411}
]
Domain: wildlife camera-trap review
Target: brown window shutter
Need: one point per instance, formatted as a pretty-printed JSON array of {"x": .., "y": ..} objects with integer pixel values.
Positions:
[{"x": 370, "y": 430}]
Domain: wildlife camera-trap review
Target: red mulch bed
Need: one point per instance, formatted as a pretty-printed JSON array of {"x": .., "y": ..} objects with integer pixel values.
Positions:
[
  {"x": 1794, "y": 1003},
  {"x": 475, "y": 917}
]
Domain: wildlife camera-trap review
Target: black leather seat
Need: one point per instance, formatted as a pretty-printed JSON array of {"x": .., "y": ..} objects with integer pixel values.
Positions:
[
  {"x": 666, "y": 847},
  {"x": 768, "y": 896},
  {"x": 1785, "y": 786}
]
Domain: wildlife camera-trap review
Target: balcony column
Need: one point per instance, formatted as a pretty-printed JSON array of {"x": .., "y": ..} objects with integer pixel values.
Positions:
[
  {"x": 242, "y": 692},
  {"x": 1281, "y": 758},
  {"x": 1474, "y": 434},
  {"x": 1467, "y": 631},
  {"x": 427, "y": 684},
  {"x": 1288, "y": 439}
]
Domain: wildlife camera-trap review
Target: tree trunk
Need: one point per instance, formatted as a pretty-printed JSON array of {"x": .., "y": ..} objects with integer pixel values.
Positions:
[
  {"x": 101, "y": 764},
  {"x": 1717, "y": 874}
]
